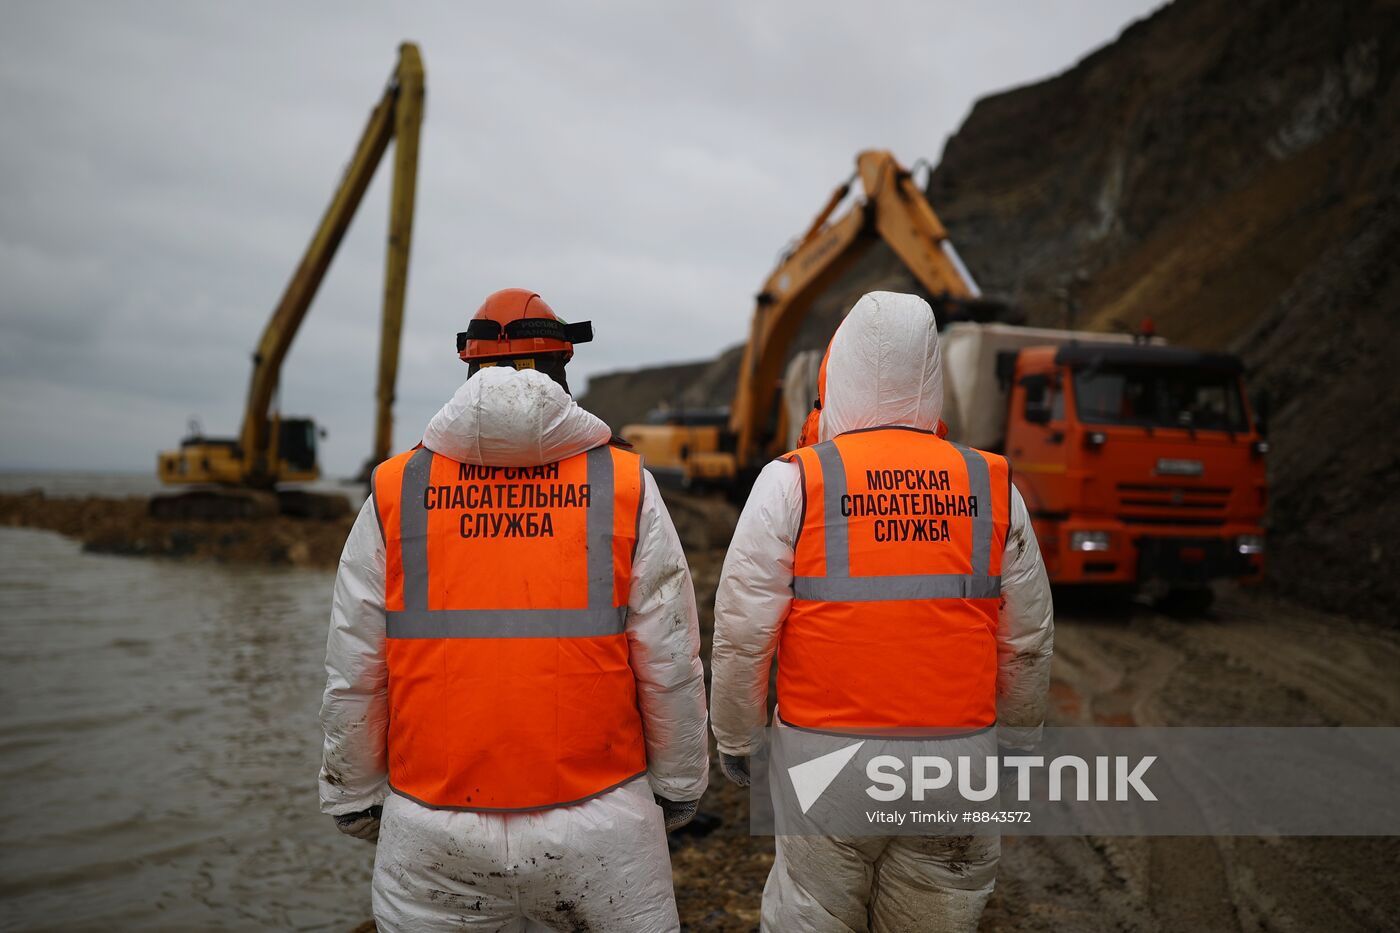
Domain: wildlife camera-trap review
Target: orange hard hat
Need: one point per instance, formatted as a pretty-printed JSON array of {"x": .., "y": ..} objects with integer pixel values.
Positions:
[{"x": 516, "y": 322}]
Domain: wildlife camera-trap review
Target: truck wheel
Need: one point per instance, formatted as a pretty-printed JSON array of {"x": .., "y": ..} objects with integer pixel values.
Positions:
[{"x": 1186, "y": 601}]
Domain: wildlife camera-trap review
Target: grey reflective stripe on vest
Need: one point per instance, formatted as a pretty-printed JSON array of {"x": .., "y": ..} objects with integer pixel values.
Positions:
[
  {"x": 980, "y": 485},
  {"x": 416, "y": 620},
  {"x": 838, "y": 586},
  {"x": 505, "y": 623},
  {"x": 838, "y": 542},
  {"x": 413, "y": 528},
  {"x": 600, "y": 528},
  {"x": 915, "y": 586}
]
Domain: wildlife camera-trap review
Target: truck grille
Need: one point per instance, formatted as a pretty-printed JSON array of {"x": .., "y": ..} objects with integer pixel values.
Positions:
[{"x": 1172, "y": 504}]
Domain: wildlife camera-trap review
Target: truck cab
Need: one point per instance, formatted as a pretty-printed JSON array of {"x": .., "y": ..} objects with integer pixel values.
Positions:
[{"x": 1138, "y": 462}]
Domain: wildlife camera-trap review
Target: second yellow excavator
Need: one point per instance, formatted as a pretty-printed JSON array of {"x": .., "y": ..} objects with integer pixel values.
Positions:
[
  {"x": 706, "y": 450},
  {"x": 244, "y": 477}
]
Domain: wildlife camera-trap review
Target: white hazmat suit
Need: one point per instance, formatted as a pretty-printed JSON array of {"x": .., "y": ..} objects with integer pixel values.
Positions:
[
  {"x": 599, "y": 865},
  {"x": 883, "y": 368}
]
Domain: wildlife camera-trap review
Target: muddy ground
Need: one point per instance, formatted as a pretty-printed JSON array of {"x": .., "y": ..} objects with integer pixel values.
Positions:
[{"x": 1253, "y": 660}]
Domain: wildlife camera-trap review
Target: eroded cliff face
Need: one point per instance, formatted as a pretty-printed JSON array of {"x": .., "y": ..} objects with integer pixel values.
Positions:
[
  {"x": 1191, "y": 171},
  {"x": 1230, "y": 170},
  {"x": 1326, "y": 351}
]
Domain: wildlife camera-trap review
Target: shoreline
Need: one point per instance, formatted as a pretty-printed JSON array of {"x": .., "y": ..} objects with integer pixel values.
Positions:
[{"x": 122, "y": 526}]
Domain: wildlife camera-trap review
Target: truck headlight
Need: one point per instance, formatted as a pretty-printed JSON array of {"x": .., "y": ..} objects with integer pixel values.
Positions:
[
  {"x": 1089, "y": 541},
  {"x": 1250, "y": 544}
]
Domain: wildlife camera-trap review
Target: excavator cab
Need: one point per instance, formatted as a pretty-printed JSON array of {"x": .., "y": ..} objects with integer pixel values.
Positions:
[
  {"x": 225, "y": 489},
  {"x": 219, "y": 461},
  {"x": 296, "y": 445}
]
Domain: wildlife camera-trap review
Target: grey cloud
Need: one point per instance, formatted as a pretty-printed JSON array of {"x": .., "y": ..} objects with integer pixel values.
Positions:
[{"x": 164, "y": 164}]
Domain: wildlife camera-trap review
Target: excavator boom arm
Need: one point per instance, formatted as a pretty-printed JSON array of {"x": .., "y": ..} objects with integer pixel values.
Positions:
[
  {"x": 408, "y": 118},
  {"x": 894, "y": 210},
  {"x": 782, "y": 306},
  {"x": 399, "y": 109}
]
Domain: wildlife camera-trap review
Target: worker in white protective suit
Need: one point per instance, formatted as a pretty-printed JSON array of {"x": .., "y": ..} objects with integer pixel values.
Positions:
[
  {"x": 514, "y": 707},
  {"x": 862, "y": 649}
]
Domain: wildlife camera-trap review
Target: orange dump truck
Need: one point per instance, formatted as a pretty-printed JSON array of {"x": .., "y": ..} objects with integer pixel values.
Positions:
[{"x": 1140, "y": 463}]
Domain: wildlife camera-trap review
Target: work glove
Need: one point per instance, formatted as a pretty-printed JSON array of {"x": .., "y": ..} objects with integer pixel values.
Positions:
[
  {"x": 362, "y": 825},
  {"x": 735, "y": 767},
  {"x": 677, "y": 812}
]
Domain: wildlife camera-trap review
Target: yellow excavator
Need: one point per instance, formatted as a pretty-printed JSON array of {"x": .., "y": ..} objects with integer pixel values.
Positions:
[
  {"x": 244, "y": 477},
  {"x": 709, "y": 450}
]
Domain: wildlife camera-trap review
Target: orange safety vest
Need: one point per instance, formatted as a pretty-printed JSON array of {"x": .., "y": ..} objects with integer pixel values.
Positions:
[
  {"x": 896, "y": 585},
  {"x": 506, "y": 591}
]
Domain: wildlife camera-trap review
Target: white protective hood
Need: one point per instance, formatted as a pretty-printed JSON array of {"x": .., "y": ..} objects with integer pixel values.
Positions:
[
  {"x": 505, "y": 417},
  {"x": 883, "y": 367}
]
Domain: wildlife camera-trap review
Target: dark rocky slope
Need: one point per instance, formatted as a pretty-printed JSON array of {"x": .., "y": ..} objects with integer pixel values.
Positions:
[{"x": 1232, "y": 171}]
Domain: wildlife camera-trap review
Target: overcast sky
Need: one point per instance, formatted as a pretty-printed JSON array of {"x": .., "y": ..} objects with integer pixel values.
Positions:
[{"x": 162, "y": 167}]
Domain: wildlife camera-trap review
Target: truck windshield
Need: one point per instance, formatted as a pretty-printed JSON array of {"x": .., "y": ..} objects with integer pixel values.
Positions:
[{"x": 1160, "y": 396}]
